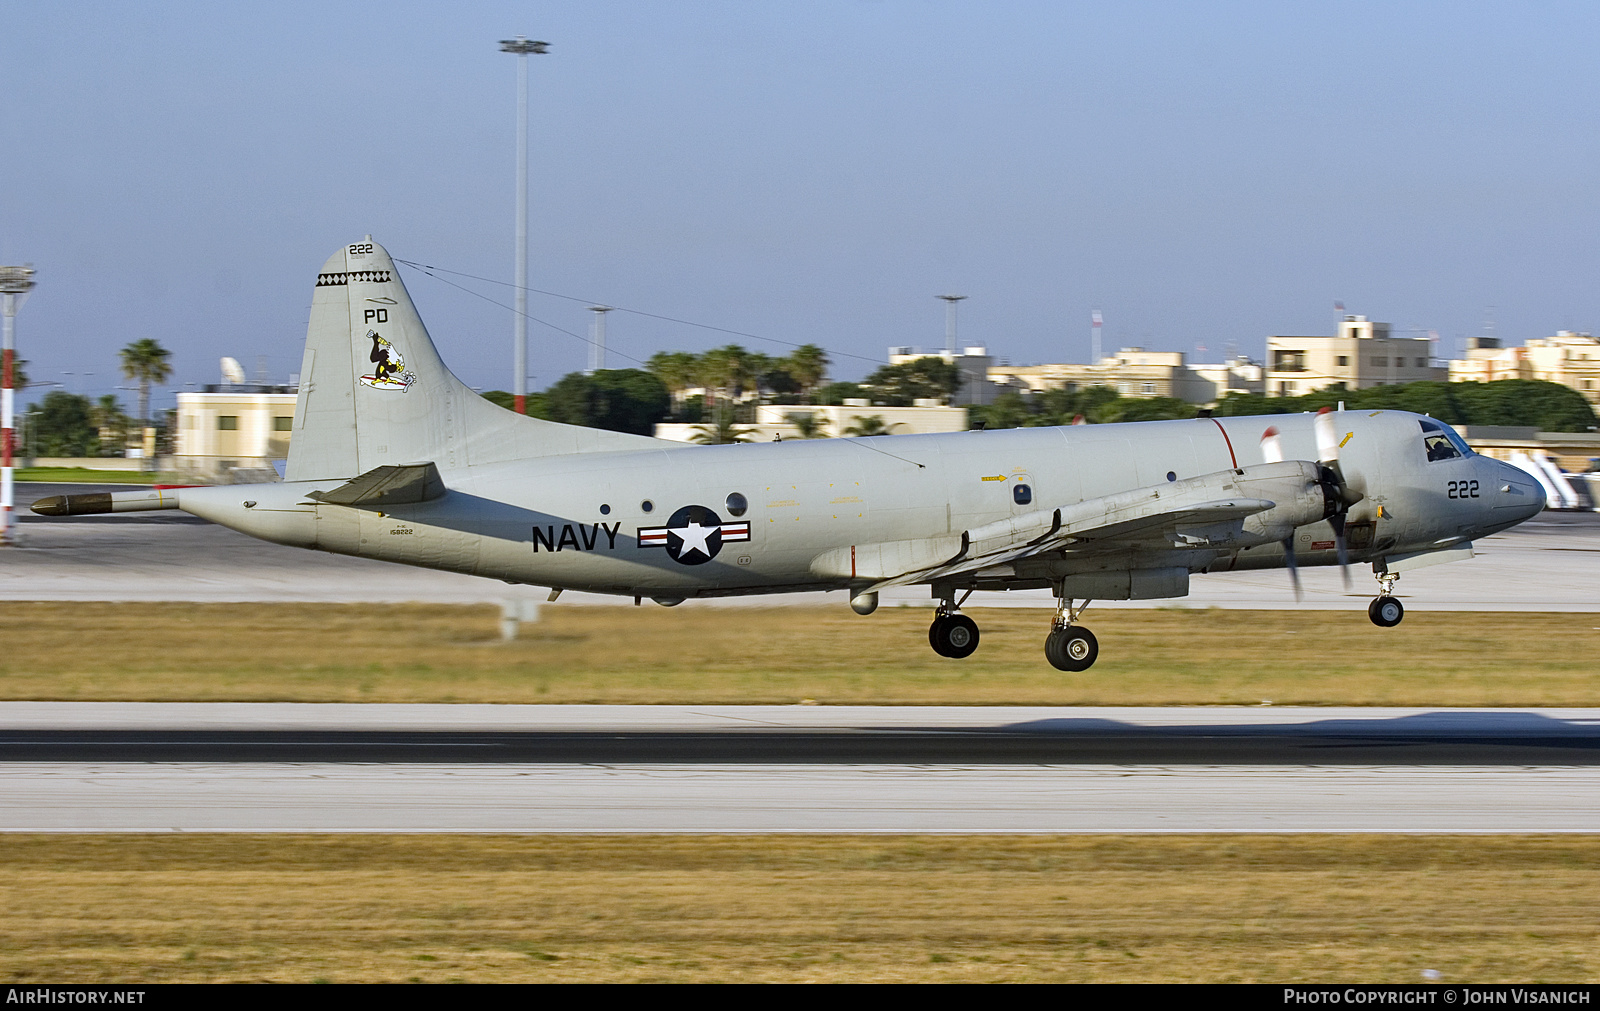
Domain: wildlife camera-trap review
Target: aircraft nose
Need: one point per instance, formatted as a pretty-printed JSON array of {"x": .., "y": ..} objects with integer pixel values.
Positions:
[{"x": 1513, "y": 493}]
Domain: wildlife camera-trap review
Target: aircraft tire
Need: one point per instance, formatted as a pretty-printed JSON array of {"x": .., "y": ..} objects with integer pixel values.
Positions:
[
  {"x": 956, "y": 636},
  {"x": 1073, "y": 648},
  {"x": 1386, "y": 612},
  {"x": 935, "y": 638}
]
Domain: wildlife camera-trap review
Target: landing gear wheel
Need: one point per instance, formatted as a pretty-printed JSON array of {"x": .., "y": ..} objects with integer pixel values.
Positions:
[
  {"x": 1386, "y": 611},
  {"x": 1071, "y": 648},
  {"x": 954, "y": 636}
]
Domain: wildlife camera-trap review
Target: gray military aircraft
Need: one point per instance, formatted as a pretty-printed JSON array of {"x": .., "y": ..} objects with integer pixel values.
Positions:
[{"x": 394, "y": 458}]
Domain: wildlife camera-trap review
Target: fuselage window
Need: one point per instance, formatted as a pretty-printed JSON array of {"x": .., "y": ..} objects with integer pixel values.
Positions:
[
  {"x": 737, "y": 504},
  {"x": 1022, "y": 494}
]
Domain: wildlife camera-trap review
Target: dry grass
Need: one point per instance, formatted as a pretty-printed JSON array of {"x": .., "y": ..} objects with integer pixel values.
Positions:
[
  {"x": 621, "y": 908},
  {"x": 438, "y": 653}
]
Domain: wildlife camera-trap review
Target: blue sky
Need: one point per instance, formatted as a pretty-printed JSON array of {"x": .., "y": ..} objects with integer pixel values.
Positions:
[{"x": 1206, "y": 174}]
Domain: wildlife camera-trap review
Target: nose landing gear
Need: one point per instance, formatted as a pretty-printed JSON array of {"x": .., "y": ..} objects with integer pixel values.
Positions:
[
  {"x": 1386, "y": 610},
  {"x": 1069, "y": 646}
]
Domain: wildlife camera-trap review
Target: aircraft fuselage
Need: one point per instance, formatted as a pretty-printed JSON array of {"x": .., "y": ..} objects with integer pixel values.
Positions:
[{"x": 754, "y": 518}]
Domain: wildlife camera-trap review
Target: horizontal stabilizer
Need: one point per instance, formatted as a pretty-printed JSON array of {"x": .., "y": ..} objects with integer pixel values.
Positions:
[
  {"x": 107, "y": 502},
  {"x": 387, "y": 486}
]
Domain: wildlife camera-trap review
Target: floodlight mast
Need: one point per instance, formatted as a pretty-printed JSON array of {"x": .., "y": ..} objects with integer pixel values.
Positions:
[
  {"x": 597, "y": 338},
  {"x": 519, "y": 328},
  {"x": 15, "y": 283},
  {"x": 950, "y": 323}
]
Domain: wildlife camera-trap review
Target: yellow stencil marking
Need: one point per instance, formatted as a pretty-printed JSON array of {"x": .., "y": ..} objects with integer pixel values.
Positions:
[
  {"x": 1347, "y": 437},
  {"x": 997, "y": 477}
]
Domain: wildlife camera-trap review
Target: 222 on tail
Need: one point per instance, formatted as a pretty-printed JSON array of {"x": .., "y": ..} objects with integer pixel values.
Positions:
[{"x": 394, "y": 458}]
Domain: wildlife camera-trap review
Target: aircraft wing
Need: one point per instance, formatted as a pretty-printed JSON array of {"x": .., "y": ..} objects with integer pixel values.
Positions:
[
  {"x": 387, "y": 486},
  {"x": 1213, "y": 510}
]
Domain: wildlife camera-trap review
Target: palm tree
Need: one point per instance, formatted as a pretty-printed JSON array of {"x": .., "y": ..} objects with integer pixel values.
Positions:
[
  {"x": 810, "y": 426},
  {"x": 676, "y": 370},
  {"x": 808, "y": 364},
  {"x": 870, "y": 426},
  {"x": 722, "y": 432},
  {"x": 145, "y": 362}
]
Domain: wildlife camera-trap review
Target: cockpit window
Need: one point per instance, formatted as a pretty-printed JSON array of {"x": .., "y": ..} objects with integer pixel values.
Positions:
[{"x": 1442, "y": 442}]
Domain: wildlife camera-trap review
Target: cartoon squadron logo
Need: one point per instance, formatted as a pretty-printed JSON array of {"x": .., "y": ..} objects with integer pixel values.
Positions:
[
  {"x": 693, "y": 535},
  {"x": 389, "y": 368}
]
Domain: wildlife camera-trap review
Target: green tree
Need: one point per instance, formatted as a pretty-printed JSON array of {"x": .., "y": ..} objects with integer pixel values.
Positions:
[
  {"x": 928, "y": 377},
  {"x": 1145, "y": 409},
  {"x": 1009, "y": 410},
  {"x": 63, "y": 426},
  {"x": 533, "y": 402},
  {"x": 621, "y": 400},
  {"x": 1549, "y": 407},
  {"x": 1522, "y": 403},
  {"x": 835, "y": 394},
  {"x": 111, "y": 424}
]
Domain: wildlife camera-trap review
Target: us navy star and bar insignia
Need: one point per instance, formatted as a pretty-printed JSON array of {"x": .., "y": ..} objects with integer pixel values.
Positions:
[{"x": 694, "y": 535}]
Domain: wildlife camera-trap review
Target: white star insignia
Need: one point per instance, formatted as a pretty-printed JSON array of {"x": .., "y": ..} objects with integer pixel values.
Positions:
[{"x": 694, "y": 538}]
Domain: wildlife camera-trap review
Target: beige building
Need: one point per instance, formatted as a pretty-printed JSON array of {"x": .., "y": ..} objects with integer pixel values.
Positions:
[
  {"x": 1362, "y": 354},
  {"x": 1569, "y": 358},
  {"x": 1135, "y": 372},
  {"x": 233, "y": 432},
  {"x": 1488, "y": 362}
]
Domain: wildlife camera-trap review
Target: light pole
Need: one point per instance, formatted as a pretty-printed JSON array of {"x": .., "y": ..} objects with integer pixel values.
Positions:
[
  {"x": 597, "y": 343},
  {"x": 522, "y": 47},
  {"x": 15, "y": 283}
]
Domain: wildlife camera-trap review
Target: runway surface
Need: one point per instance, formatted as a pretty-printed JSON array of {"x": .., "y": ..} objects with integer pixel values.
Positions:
[
  {"x": 1546, "y": 564},
  {"x": 389, "y": 768}
]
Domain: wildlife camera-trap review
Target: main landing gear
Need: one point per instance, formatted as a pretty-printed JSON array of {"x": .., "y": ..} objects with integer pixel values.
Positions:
[
  {"x": 1386, "y": 609},
  {"x": 1069, "y": 646},
  {"x": 952, "y": 633}
]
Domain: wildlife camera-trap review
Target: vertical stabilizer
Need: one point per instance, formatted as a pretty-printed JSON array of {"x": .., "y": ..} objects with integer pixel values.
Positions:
[{"x": 373, "y": 390}]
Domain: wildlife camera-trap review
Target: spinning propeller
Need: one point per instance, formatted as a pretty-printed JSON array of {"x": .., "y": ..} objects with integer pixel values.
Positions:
[{"x": 1337, "y": 494}]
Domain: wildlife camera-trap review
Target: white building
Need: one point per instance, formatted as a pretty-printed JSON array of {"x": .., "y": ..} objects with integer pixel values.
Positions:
[{"x": 779, "y": 422}]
